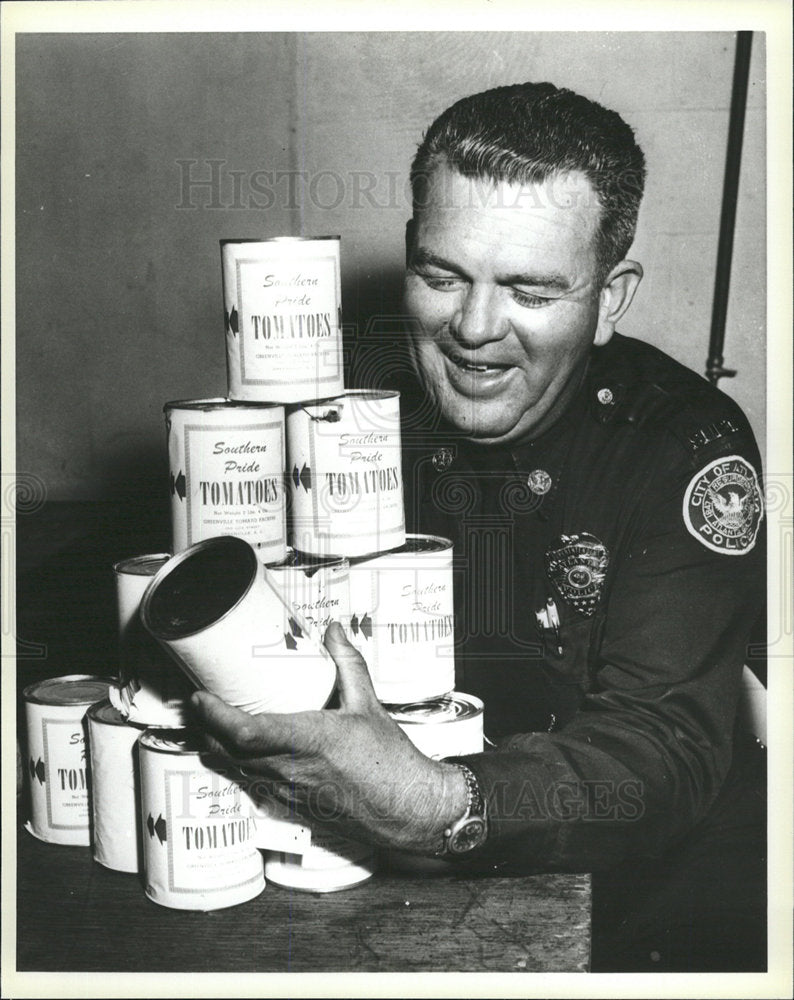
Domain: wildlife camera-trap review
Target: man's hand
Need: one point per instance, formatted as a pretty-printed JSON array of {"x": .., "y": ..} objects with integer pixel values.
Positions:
[{"x": 351, "y": 767}]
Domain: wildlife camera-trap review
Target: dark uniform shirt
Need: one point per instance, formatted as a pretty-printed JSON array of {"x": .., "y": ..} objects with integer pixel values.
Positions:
[{"x": 635, "y": 522}]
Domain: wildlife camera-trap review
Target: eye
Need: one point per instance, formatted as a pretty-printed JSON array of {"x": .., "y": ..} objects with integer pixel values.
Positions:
[
  {"x": 527, "y": 300},
  {"x": 446, "y": 283}
]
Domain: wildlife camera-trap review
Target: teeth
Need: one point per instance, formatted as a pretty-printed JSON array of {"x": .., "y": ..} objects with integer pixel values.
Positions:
[{"x": 471, "y": 367}]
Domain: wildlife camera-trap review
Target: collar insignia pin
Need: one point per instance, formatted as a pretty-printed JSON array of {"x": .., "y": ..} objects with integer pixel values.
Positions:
[{"x": 539, "y": 482}]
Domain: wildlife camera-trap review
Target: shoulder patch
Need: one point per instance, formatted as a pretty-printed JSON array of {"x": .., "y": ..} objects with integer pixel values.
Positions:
[{"x": 723, "y": 506}]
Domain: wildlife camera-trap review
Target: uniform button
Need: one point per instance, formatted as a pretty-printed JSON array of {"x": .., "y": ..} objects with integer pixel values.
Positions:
[
  {"x": 539, "y": 482},
  {"x": 442, "y": 459},
  {"x": 605, "y": 397}
]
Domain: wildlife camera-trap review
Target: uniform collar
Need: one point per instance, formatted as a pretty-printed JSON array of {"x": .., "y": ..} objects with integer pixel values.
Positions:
[{"x": 599, "y": 398}]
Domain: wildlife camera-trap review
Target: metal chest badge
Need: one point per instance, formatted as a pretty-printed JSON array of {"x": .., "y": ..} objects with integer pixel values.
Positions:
[{"x": 576, "y": 566}]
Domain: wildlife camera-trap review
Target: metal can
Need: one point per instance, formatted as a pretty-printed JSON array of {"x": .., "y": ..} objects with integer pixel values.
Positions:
[
  {"x": 217, "y": 611},
  {"x": 282, "y": 302},
  {"x": 318, "y": 590},
  {"x": 444, "y": 727},
  {"x": 402, "y": 619},
  {"x": 277, "y": 826},
  {"x": 227, "y": 473},
  {"x": 114, "y": 806},
  {"x": 198, "y": 836},
  {"x": 345, "y": 474},
  {"x": 329, "y": 864},
  {"x": 57, "y": 756},
  {"x": 152, "y": 690}
]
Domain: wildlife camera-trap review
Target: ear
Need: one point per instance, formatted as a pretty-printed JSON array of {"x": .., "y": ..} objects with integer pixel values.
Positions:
[
  {"x": 410, "y": 233},
  {"x": 615, "y": 298}
]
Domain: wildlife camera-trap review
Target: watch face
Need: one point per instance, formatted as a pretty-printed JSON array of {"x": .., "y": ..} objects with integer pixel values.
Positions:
[{"x": 469, "y": 835}]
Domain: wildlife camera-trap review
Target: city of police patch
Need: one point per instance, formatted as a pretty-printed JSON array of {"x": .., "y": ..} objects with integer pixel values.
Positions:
[{"x": 723, "y": 506}]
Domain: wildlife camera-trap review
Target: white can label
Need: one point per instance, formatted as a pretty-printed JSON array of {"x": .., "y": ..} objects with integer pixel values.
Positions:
[
  {"x": 66, "y": 774},
  {"x": 283, "y": 333},
  {"x": 206, "y": 832},
  {"x": 345, "y": 472},
  {"x": 316, "y": 598},
  {"x": 227, "y": 478},
  {"x": 402, "y": 622}
]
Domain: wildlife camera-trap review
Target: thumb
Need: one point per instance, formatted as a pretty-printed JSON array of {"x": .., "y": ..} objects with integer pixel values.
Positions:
[{"x": 354, "y": 682}]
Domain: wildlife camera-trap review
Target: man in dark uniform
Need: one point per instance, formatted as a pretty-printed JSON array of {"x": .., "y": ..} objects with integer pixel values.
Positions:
[{"x": 606, "y": 512}]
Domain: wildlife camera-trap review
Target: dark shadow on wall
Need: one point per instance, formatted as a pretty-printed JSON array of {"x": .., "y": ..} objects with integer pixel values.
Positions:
[{"x": 376, "y": 339}]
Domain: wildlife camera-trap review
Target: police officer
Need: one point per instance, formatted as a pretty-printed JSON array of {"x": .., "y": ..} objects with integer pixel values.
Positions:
[{"x": 606, "y": 512}]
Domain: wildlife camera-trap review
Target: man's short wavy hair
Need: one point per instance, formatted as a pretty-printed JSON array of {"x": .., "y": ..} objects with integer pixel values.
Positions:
[{"x": 527, "y": 133}]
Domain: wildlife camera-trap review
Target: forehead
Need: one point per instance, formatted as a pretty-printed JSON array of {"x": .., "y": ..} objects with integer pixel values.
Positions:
[{"x": 555, "y": 220}]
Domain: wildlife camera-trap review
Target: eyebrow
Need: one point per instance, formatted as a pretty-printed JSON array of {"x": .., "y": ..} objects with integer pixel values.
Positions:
[{"x": 422, "y": 257}]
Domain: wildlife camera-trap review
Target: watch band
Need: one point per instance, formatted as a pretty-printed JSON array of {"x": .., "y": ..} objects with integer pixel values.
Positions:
[{"x": 470, "y": 831}]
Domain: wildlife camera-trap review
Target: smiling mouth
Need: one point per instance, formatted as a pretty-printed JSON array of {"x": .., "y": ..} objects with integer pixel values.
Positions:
[{"x": 478, "y": 367}]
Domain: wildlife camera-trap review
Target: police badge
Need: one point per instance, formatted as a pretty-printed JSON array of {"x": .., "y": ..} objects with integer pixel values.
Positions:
[{"x": 577, "y": 567}]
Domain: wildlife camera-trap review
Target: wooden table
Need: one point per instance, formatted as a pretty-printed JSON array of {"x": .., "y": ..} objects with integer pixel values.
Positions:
[{"x": 75, "y": 915}]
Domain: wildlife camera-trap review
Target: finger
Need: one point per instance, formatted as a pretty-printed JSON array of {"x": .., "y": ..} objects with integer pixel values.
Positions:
[
  {"x": 243, "y": 735},
  {"x": 354, "y": 682}
]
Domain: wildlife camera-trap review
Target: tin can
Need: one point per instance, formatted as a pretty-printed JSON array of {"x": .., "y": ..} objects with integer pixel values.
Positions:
[
  {"x": 217, "y": 611},
  {"x": 57, "y": 756},
  {"x": 227, "y": 473},
  {"x": 443, "y": 727},
  {"x": 345, "y": 474},
  {"x": 282, "y": 303},
  {"x": 198, "y": 835},
  {"x": 152, "y": 690},
  {"x": 402, "y": 619},
  {"x": 318, "y": 590},
  {"x": 277, "y": 827},
  {"x": 329, "y": 864},
  {"x": 114, "y": 806}
]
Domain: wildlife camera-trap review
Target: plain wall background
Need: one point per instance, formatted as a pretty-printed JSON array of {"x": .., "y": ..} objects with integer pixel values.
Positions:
[{"x": 119, "y": 305}]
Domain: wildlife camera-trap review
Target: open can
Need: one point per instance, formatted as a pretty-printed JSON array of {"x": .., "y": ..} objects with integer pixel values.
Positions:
[{"x": 220, "y": 616}]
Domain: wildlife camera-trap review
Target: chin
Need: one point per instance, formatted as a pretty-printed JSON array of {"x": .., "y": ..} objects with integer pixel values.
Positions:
[{"x": 483, "y": 429}]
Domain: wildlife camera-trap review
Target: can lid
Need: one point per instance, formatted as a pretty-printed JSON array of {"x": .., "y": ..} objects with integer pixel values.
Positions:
[
  {"x": 176, "y": 741},
  {"x": 198, "y": 587},
  {"x": 306, "y": 563},
  {"x": 219, "y": 403},
  {"x": 72, "y": 689},
  {"x": 103, "y": 712},
  {"x": 413, "y": 545},
  {"x": 146, "y": 565},
  {"x": 349, "y": 395},
  {"x": 280, "y": 239},
  {"x": 449, "y": 708}
]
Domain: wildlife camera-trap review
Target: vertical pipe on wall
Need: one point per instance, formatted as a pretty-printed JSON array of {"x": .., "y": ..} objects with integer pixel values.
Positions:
[{"x": 733, "y": 156}]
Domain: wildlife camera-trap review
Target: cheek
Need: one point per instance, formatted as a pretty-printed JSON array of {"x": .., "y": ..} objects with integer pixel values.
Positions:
[{"x": 429, "y": 307}]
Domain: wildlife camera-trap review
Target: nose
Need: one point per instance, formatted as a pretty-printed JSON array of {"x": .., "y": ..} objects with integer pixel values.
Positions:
[{"x": 478, "y": 319}]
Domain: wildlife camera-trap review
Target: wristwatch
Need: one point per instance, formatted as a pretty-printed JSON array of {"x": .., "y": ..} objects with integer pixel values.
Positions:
[{"x": 471, "y": 830}]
